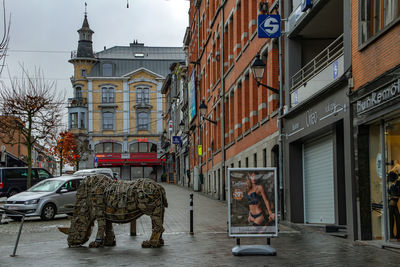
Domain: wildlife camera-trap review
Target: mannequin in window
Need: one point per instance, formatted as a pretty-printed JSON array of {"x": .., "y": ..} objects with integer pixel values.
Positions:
[
  {"x": 396, "y": 167},
  {"x": 394, "y": 194}
]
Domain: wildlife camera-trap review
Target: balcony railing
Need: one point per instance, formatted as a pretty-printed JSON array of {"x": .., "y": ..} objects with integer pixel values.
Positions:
[
  {"x": 317, "y": 64},
  {"x": 77, "y": 102}
]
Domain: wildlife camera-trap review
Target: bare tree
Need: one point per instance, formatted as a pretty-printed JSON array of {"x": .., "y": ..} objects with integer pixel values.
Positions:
[
  {"x": 30, "y": 106},
  {"x": 5, "y": 38}
]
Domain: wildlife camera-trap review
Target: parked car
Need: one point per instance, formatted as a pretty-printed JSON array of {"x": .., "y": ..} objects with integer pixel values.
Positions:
[
  {"x": 105, "y": 171},
  {"x": 45, "y": 199},
  {"x": 116, "y": 176},
  {"x": 13, "y": 179}
]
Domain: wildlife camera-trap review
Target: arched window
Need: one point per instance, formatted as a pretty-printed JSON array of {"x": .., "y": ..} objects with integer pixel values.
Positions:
[
  {"x": 143, "y": 121},
  {"x": 107, "y": 94},
  {"x": 108, "y": 121},
  {"x": 134, "y": 148},
  {"x": 107, "y": 69},
  {"x": 108, "y": 147}
]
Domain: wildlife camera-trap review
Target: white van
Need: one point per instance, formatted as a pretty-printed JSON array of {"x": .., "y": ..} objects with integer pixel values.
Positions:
[{"x": 105, "y": 171}]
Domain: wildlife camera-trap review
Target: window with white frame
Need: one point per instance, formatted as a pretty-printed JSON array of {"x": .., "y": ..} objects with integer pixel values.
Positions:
[
  {"x": 375, "y": 16},
  {"x": 78, "y": 92},
  {"x": 107, "y": 94},
  {"x": 74, "y": 120},
  {"x": 108, "y": 120},
  {"x": 143, "y": 121},
  {"x": 142, "y": 95},
  {"x": 82, "y": 119}
]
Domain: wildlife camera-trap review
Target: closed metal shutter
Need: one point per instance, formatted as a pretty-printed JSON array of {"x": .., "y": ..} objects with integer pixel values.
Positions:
[{"x": 319, "y": 204}]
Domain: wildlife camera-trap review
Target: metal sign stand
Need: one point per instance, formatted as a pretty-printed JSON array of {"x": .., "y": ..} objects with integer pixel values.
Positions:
[{"x": 247, "y": 250}]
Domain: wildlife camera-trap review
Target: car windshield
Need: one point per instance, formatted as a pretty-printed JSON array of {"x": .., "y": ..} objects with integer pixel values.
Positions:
[{"x": 46, "y": 186}]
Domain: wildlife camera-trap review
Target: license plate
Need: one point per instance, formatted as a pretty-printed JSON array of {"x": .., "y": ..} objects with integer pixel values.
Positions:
[{"x": 13, "y": 208}]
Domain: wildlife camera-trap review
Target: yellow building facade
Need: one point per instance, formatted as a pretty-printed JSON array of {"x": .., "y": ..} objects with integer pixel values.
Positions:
[{"x": 118, "y": 106}]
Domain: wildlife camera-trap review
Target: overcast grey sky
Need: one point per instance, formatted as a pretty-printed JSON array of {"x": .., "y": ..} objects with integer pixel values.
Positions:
[{"x": 44, "y": 32}]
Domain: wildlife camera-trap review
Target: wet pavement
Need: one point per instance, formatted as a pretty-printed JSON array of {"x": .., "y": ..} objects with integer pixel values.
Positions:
[{"x": 42, "y": 244}]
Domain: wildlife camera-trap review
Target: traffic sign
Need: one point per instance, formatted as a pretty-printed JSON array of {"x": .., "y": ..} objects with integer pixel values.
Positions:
[
  {"x": 176, "y": 139},
  {"x": 269, "y": 26}
]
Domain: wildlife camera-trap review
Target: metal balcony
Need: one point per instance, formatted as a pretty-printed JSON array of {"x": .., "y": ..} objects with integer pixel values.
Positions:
[{"x": 317, "y": 64}]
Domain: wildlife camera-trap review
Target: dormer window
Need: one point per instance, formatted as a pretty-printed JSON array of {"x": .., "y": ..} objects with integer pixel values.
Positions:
[{"x": 107, "y": 69}]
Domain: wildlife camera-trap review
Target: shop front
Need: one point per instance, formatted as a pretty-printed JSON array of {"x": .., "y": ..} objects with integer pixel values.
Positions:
[
  {"x": 377, "y": 155},
  {"x": 141, "y": 161},
  {"x": 317, "y": 161}
]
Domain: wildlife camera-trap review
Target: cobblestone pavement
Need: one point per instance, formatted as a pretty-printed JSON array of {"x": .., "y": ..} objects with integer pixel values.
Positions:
[{"x": 42, "y": 245}]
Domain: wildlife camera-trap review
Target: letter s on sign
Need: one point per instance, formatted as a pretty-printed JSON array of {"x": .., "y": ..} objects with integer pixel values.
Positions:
[{"x": 271, "y": 25}]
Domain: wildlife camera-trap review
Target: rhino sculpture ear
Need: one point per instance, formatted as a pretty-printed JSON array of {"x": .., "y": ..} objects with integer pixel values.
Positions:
[{"x": 63, "y": 230}]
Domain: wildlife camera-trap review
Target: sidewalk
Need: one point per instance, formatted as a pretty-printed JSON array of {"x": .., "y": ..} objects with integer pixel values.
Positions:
[{"x": 209, "y": 246}]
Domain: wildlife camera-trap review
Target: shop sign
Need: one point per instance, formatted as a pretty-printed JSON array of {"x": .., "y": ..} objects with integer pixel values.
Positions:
[
  {"x": 245, "y": 202},
  {"x": 379, "y": 97},
  {"x": 143, "y": 140},
  {"x": 125, "y": 155},
  {"x": 200, "y": 150}
]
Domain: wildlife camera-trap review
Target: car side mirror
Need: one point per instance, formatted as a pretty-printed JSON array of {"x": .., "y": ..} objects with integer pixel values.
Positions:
[{"x": 64, "y": 190}]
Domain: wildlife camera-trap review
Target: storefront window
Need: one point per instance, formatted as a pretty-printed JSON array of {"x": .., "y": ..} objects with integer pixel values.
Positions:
[
  {"x": 134, "y": 148},
  {"x": 392, "y": 134},
  {"x": 143, "y": 147},
  {"x": 107, "y": 147},
  {"x": 117, "y": 148}
]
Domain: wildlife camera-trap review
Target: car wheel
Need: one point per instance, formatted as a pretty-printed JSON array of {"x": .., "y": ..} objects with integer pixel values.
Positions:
[
  {"x": 48, "y": 212},
  {"x": 12, "y": 192}
]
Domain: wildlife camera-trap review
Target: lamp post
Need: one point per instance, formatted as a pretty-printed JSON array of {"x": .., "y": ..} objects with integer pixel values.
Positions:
[
  {"x": 203, "y": 110},
  {"x": 258, "y": 68}
]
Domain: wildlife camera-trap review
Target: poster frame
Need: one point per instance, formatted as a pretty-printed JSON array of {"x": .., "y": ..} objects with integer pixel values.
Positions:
[{"x": 230, "y": 234}]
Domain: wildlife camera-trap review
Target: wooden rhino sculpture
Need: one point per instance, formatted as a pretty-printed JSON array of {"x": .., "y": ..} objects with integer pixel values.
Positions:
[{"x": 107, "y": 201}]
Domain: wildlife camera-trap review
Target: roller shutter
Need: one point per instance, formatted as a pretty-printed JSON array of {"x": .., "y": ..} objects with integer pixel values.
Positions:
[{"x": 319, "y": 204}]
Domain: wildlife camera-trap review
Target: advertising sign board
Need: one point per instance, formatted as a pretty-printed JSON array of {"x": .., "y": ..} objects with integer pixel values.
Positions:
[
  {"x": 192, "y": 96},
  {"x": 252, "y": 202}
]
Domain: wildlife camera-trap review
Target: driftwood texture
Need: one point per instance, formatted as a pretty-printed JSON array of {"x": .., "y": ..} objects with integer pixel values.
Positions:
[{"x": 107, "y": 201}]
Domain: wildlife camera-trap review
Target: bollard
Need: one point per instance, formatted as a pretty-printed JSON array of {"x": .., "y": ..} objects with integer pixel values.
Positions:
[
  {"x": 133, "y": 228},
  {"x": 191, "y": 214}
]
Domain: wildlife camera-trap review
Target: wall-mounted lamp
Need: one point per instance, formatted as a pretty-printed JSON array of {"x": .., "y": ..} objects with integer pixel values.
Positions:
[
  {"x": 203, "y": 110},
  {"x": 258, "y": 68}
]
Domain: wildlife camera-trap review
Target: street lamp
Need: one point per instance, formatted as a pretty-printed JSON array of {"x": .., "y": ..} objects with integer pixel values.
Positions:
[
  {"x": 258, "y": 68},
  {"x": 182, "y": 126},
  {"x": 203, "y": 110}
]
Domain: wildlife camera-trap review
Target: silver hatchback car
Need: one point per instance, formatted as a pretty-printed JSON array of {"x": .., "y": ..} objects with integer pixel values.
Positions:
[{"x": 45, "y": 199}]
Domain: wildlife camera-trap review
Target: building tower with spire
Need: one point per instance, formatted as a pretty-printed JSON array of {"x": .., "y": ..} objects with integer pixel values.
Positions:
[
  {"x": 118, "y": 105},
  {"x": 83, "y": 60}
]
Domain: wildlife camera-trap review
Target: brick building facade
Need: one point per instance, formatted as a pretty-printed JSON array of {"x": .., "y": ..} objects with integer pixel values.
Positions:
[{"x": 241, "y": 130}]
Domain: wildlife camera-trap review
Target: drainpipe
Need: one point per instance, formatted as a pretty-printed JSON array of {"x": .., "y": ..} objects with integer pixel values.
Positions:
[
  {"x": 199, "y": 97},
  {"x": 280, "y": 142},
  {"x": 222, "y": 95}
]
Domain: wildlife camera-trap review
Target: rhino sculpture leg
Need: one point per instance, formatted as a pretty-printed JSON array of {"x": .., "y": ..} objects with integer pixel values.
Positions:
[
  {"x": 156, "y": 240},
  {"x": 101, "y": 223},
  {"x": 110, "y": 236}
]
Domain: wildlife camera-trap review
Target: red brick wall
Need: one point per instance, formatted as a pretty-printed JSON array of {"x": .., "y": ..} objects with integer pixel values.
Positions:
[{"x": 378, "y": 57}]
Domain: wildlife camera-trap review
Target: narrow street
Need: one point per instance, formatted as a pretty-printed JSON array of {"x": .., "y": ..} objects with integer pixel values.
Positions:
[{"x": 41, "y": 244}]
